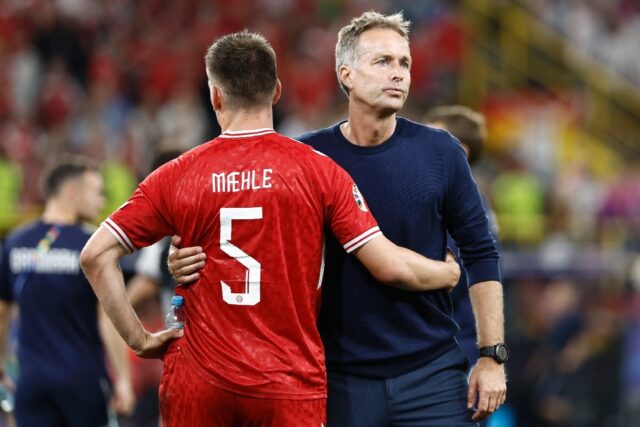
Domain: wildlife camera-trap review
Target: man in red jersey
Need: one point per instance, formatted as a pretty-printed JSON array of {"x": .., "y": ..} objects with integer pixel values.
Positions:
[{"x": 251, "y": 353}]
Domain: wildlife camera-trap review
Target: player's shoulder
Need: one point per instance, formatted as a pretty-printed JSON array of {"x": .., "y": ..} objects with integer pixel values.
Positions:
[
  {"x": 186, "y": 159},
  {"x": 22, "y": 232},
  {"x": 297, "y": 147},
  {"x": 169, "y": 171}
]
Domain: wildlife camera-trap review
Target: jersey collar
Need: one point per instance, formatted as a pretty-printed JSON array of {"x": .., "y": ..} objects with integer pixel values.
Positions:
[{"x": 246, "y": 133}]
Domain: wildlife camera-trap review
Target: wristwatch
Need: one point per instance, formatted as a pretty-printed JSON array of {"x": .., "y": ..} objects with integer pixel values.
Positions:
[{"x": 499, "y": 352}]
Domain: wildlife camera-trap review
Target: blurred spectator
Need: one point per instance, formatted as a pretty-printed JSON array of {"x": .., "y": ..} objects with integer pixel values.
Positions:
[
  {"x": 10, "y": 189},
  {"x": 582, "y": 206},
  {"x": 606, "y": 30},
  {"x": 619, "y": 214},
  {"x": 569, "y": 371},
  {"x": 518, "y": 200}
]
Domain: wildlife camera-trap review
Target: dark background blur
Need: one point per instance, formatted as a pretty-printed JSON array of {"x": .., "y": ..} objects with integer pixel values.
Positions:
[{"x": 559, "y": 82}]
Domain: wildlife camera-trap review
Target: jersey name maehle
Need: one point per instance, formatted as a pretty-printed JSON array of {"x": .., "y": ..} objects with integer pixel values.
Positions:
[
  {"x": 241, "y": 180},
  {"x": 258, "y": 204}
]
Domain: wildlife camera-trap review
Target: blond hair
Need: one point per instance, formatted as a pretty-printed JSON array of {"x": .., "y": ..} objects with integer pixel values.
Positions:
[{"x": 346, "y": 48}]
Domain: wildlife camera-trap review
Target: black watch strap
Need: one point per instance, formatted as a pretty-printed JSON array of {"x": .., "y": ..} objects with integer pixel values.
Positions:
[{"x": 498, "y": 352}]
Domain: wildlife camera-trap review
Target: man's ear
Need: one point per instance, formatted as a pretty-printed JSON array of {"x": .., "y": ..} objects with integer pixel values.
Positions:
[
  {"x": 216, "y": 98},
  {"x": 277, "y": 93},
  {"x": 346, "y": 73}
]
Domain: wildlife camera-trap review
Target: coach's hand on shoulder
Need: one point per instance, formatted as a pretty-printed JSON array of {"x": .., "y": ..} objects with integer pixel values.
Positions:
[
  {"x": 153, "y": 346},
  {"x": 184, "y": 263},
  {"x": 487, "y": 387}
]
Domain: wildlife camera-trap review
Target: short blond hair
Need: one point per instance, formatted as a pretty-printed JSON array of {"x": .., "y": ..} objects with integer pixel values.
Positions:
[{"x": 346, "y": 48}]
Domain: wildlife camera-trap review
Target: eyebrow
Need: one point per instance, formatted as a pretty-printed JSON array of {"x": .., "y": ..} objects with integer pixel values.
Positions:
[{"x": 387, "y": 56}]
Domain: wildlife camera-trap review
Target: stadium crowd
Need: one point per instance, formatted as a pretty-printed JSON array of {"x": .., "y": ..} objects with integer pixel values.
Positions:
[
  {"x": 608, "y": 30},
  {"x": 121, "y": 80}
]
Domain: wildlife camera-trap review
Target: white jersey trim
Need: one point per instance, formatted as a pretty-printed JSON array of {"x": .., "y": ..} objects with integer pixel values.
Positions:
[
  {"x": 354, "y": 244},
  {"x": 321, "y": 276},
  {"x": 120, "y": 235},
  {"x": 246, "y": 133}
]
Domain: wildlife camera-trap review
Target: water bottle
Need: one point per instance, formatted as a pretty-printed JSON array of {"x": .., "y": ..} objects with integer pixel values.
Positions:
[
  {"x": 175, "y": 317},
  {"x": 6, "y": 399}
]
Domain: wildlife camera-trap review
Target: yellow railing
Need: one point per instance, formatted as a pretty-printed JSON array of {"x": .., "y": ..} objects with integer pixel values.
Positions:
[{"x": 511, "y": 48}]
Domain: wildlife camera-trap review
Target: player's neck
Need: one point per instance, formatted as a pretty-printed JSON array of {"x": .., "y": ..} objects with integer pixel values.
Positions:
[
  {"x": 366, "y": 128},
  {"x": 239, "y": 120},
  {"x": 57, "y": 212}
]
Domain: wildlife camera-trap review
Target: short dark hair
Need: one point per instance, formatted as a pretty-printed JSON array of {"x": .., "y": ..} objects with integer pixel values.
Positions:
[
  {"x": 65, "y": 168},
  {"x": 467, "y": 125},
  {"x": 243, "y": 65}
]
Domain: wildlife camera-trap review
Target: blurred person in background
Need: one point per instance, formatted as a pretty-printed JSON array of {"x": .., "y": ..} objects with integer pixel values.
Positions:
[
  {"x": 251, "y": 352},
  {"x": 519, "y": 203},
  {"x": 419, "y": 185},
  {"x": 63, "y": 334},
  {"x": 619, "y": 212},
  {"x": 570, "y": 375}
]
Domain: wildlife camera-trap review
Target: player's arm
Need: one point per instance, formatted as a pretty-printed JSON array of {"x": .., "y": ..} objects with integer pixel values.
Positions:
[
  {"x": 387, "y": 262},
  {"x": 5, "y": 323},
  {"x": 6, "y": 309},
  {"x": 99, "y": 260},
  {"x": 405, "y": 269},
  {"x": 123, "y": 396}
]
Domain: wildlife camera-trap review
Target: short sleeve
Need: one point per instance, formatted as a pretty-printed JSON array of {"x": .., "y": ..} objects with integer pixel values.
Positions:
[
  {"x": 147, "y": 216},
  {"x": 347, "y": 212},
  {"x": 6, "y": 290}
]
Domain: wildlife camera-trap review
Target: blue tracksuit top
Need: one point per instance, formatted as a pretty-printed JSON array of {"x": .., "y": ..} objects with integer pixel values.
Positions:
[
  {"x": 419, "y": 187},
  {"x": 59, "y": 343}
]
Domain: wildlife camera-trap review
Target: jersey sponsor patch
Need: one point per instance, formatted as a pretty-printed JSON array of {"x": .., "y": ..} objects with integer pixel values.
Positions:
[{"x": 359, "y": 199}]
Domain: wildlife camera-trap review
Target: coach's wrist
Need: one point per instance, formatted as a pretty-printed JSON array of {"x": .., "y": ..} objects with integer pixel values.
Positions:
[{"x": 499, "y": 353}]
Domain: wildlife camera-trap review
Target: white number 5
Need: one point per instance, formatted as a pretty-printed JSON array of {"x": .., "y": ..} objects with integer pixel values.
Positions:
[{"x": 251, "y": 296}]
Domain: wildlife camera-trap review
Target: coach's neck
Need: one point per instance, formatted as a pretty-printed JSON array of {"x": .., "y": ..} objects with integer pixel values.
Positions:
[{"x": 233, "y": 118}]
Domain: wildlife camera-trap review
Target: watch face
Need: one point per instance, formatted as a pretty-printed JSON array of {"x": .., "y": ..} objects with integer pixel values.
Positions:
[{"x": 502, "y": 352}]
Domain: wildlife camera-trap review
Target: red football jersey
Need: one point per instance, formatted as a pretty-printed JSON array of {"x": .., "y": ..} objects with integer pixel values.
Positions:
[{"x": 257, "y": 202}]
